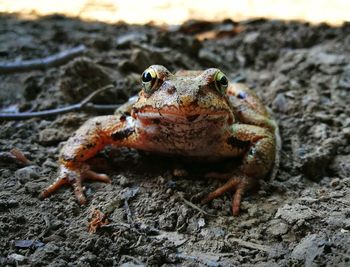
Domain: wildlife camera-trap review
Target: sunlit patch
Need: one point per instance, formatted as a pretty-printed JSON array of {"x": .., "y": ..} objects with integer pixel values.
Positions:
[{"x": 176, "y": 12}]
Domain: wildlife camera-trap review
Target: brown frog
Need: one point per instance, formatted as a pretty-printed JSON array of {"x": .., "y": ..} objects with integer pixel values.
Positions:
[{"x": 195, "y": 114}]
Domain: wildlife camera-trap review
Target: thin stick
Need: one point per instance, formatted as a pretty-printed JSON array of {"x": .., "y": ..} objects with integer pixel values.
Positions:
[
  {"x": 247, "y": 244},
  {"x": 83, "y": 105},
  {"x": 42, "y": 63},
  {"x": 189, "y": 203}
]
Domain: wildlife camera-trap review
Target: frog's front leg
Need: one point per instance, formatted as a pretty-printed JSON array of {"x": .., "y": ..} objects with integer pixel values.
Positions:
[
  {"x": 257, "y": 162},
  {"x": 88, "y": 140}
]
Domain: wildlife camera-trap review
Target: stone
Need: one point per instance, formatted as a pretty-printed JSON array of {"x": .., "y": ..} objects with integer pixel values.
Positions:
[
  {"x": 18, "y": 258},
  {"x": 341, "y": 165},
  {"x": 277, "y": 228},
  {"x": 294, "y": 213},
  {"x": 27, "y": 174},
  {"x": 280, "y": 103},
  {"x": 51, "y": 136},
  {"x": 309, "y": 248}
]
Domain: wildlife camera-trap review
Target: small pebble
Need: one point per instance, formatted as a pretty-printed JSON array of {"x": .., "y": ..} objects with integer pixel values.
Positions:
[{"x": 334, "y": 182}]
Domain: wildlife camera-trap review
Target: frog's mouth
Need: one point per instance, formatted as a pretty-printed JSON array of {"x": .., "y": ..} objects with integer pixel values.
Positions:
[{"x": 181, "y": 118}]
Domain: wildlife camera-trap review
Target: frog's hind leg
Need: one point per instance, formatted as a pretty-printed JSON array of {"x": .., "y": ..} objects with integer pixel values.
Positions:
[
  {"x": 74, "y": 178},
  {"x": 239, "y": 184}
]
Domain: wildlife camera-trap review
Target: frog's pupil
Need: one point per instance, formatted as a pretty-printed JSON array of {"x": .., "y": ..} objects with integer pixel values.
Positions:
[
  {"x": 146, "y": 77},
  {"x": 223, "y": 80}
]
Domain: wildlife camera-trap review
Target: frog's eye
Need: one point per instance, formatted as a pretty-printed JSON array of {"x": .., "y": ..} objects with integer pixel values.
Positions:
[
  {"x": 149, "y": 80},
  {"x": 221, "y": 82}
]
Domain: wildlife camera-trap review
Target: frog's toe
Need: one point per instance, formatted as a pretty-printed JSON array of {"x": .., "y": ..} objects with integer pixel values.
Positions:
[
  {"x": 237, "y": 196},
  {"x": 238, "y": 184},
  {"x": 91, "y": 175},
  {"x": 52, "y": 188},
  {"x": 230, "y": 185},
  {"x": 74, "y": 178}
]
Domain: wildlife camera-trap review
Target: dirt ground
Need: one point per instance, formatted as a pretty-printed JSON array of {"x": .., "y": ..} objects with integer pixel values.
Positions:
[{"x": 302, "y": 218}]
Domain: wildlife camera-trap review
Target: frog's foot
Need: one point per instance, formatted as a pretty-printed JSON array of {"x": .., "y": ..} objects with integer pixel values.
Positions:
[
  {"x": 74, "y": 178},
  {"x": 239, "y": 184}
]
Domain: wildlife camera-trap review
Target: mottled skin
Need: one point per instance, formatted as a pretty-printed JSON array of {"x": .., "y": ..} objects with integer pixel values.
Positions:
[{"x": 195, "y": 114}]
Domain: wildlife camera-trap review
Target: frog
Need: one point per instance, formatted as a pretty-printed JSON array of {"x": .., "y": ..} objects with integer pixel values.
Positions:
[{"x": 197, "y": 115}]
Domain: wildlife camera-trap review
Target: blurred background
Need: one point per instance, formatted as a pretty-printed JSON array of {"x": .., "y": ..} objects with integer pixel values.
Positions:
[{"x": 333, "y": 12}]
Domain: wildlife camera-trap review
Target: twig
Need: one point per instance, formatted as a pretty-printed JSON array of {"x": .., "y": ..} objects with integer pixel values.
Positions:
[
  {"x": 195, "y": 206},
  {"x": 83, "y": 105},
  {"x": 116, "y": 225},
  {"x": 128, "y": 213},
  {"x": 42, "y": 63},
  {"x": 247, "y": 244},
  {"x": 47, "y": 226},
  {"x": 20, "y": 157}
]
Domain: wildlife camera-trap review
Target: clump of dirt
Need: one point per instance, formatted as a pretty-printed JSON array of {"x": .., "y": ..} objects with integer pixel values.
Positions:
[{"x": 301, "y": 218}]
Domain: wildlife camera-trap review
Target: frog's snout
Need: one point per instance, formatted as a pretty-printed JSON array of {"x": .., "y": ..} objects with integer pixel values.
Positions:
[{"x": 187, "y": 100}]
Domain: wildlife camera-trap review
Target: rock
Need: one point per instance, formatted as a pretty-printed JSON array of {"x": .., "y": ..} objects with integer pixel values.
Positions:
[
  {"x": 126, "y": 40},
  {"x": 278, "y": 84},
  {"x": 34, "y": 188},
  {"x": 314, "y": 164},
  {"x": 27, "y": 174},
  {"x": 251, "y": 37},
  {"x": 18, "y": 258},
  {"x": 334, "y": 182},
  {"x": 51, "y": 136},
  {"x": 50, "y": 164},
  {"x": 140, "y": 59},
  {"x": 167, "y": 221},
  {"x": 209, "y": 57},
  {"x": 138, "y": 62},
  {"x": 43, "y": 255},
  {"x": 323, "y": 58},
  {"x": 61, "y": 129},
  {"x": 290, "y": 60},
  {"x": 9, "y": 203},
  {"x": 103, "y": 43},
  {"x": 277, "y": 228},
  {"x": 82, "y": 77},
  {"x": 319, "y": 131},
  {"x": 280, "y": 103},
  {"x": 309, "y": 248},
  {"x": 263, "y": 264},
  {"x": 174, "y": 237},
  {"x": 123, "y": 181},
  {"x": 344, "y": 80},
  {"x": 28, "y": 243},
  {"x": 295, "y": 213},
  {"x": 341, "y": 165},
  {"x": 336, "y": 220},
  {"x": 212, "y": 232},
  {"x": 131, "y": 264},
  {"x": 201, "y": 222},
  {"x": 33, "y": 86}
]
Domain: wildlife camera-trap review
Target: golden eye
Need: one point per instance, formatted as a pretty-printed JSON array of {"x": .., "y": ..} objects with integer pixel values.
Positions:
[
  {"x": 221, "y": 82},
  {"x": 149, "y": 80}
]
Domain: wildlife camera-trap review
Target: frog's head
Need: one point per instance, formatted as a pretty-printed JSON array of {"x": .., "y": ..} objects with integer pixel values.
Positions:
[{"x": 183, "y": 97}]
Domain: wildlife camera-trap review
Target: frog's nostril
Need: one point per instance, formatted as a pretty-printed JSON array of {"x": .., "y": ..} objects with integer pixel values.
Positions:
[{"x": 171, "y": 90}]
